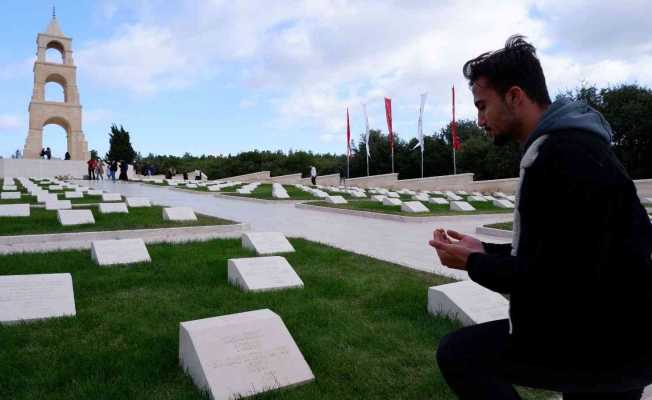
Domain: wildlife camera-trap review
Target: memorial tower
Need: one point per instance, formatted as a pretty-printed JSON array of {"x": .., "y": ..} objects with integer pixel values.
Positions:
[{"x": 66, "y": 114}]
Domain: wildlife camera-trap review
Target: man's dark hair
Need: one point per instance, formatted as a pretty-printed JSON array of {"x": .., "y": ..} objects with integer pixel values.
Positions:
[{"x": 514, "y": 65}]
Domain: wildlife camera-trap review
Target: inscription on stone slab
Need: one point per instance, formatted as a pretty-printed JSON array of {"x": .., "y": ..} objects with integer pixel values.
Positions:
[
  {"x": 14, "y": 210},
  {"x": 135, "y": 202},
  {"x": 179, "y": 214},
  {"x": 123, "y": 251},
  {"x": 75, "y": 217},
  {"x": 113, "y": 208},
  {"x": 240, "y": 355},
  {"x": 10, "y": 196},
  {"x": 266, "y": 243},
  {"x": 94, "y": 192},
  {"x": 34, "y": 297},
  {"x": 111, "y": 197},
  {"x": 467, "y": 302},
  {"x": 263, "y": 273}
]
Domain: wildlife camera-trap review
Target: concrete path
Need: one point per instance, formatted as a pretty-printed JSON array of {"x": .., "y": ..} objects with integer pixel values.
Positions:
[{"x": 402, "y": 243}]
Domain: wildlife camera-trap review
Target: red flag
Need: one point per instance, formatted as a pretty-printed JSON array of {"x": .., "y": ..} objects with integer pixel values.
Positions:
[
  {"x": 348, "y": 134},
  {"x": 456, "y": 139},
  {"x": 388, "y": 113}
]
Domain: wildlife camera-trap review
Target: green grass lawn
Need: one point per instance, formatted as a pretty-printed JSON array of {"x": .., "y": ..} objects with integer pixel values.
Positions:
[
  {"x": 264, "y": 192},
  {"x": 507, "y": 226},
  {"x": 360, "y": 323},
  {"x": 44, "y": 221},
  {"x": 435, "y": 209}
]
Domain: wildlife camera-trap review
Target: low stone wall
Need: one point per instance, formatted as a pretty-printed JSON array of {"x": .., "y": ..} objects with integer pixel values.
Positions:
[
  {"x": 507, "y": 185},
  {"x": 42, "y": 168},
  {"x": 385, "y": 180},
  {"x": 326, "y": 180},
  {"x": 287, "y": 179},
  {"x": 443, "y": 182},
  {"x": 252, "y": 177}
]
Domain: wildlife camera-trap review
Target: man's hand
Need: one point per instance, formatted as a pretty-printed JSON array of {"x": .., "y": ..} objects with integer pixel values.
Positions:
[{"x": 455, "y": 254}]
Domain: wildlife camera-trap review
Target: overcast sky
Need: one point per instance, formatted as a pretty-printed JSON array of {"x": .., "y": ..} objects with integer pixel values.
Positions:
[{"x": 215, "y": 77}]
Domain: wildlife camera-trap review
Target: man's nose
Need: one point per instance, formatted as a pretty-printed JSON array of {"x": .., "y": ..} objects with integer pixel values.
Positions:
[{"x": 481, "y": 120}]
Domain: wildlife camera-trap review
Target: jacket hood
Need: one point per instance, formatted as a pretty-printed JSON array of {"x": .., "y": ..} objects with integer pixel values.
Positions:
[{"x": 564, "y": 115}]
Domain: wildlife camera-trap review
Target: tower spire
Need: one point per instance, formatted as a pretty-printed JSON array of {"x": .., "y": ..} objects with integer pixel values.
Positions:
[{"x": 54, "y": 12}]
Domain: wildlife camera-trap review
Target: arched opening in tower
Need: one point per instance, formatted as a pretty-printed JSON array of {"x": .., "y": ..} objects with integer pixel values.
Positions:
[
  {"x": 56, "y": 138},
  {"x": 54, "y": 91},
  {"x": 54, "y": 53}
]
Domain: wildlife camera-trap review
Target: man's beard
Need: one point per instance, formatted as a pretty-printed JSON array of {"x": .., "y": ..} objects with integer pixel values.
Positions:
[{"x": 502, "y": 139}]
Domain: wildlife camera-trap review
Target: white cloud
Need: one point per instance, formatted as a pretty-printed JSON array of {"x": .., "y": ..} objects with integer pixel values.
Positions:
[
  {"x": 10, "y": 122},
  {"x": 313, "y": 58}
]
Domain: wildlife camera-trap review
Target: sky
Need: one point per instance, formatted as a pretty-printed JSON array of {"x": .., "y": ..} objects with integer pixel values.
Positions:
[{"x": 220, "y": 77}]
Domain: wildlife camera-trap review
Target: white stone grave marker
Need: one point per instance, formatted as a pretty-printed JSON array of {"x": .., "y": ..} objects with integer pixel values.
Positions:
[
  {"x": 75, "y": 217},
  {"x": 240, "y": 355},
  {"x": 26, "y": 298},
  {"x": 111, "y": 197},
  {"x": 503, "y": 203},
  {"x": 336, "y": 200},
  {"x": 14, "y": 210},
  {"x": 136, "y": 202},
  {"x": 266, "y": 243},
  {"x": 10, "y": 196},
  {"x": 438, "y": 200},
  {"x": 452, "y": 196},
  {"x": 179, "y": 214},
  {"x": 257, "y": 274},
  {"x": 58, "y": 205},
  {"x": 388, "y": 201},
  {"x": 467, "y": 302},
  {"x": 74, "y": 195},
  {"x": 414, "y": 207},
  {"x": 461, "y": 206},
  {"x": 123, "y": 251},
  {"x": 113, "y": 208}
]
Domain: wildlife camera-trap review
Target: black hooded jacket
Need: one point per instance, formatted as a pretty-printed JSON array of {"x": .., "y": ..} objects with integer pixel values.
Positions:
[{"x": 579, "y": 273}]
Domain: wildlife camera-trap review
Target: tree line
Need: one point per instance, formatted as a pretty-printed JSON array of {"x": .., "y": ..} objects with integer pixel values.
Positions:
[{"x": 627, "y": 107}]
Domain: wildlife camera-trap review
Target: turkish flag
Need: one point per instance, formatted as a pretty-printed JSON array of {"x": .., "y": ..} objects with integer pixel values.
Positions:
[{"x": 388, "y": 113}]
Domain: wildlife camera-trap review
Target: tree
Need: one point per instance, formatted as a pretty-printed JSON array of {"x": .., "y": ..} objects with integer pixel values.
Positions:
[
  {"x": 120, "y": 145},
  {"x": 628, "y": 109},
  {"x": 94, "y": 155}
]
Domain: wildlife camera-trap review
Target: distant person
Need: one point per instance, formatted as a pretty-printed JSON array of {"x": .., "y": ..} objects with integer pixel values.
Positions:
[
  {"x": 48, "y": 153},
  {"x": 43, "y": 153},
  {"x": 313, "y": 175},
  {"x": 113, "y": 168},
  {"x": 185, "y": 176},
  {"x": 67, "y": 157},
  {"x": 92, "y": 164},
  {"x": 577, "y": 275},
  {"x": 124, "y": 167},
  {"x": 99, "y": 171},
  {"x": 342, "y": 177}
]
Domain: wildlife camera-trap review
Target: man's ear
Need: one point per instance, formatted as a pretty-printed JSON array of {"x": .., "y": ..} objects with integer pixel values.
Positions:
[{"x": 514, "y": 97}]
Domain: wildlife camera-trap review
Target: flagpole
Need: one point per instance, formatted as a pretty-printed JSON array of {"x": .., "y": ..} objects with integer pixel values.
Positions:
[
  {"x": 421, "y": 163},
  {"x": 392, "y": 158},
  {"x": 454, "y": 163},
  {"x": 367, "y": 159}
]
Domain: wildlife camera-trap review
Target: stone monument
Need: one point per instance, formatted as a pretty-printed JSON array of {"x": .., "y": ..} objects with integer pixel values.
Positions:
[{"x": 67, "y": 114}]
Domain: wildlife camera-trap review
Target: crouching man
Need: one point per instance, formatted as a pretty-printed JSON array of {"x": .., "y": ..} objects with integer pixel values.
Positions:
[{"x": 578, "y": 273}]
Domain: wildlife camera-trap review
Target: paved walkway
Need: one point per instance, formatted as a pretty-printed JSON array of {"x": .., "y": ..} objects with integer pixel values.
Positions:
[{"x": 398, "y": 242}]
